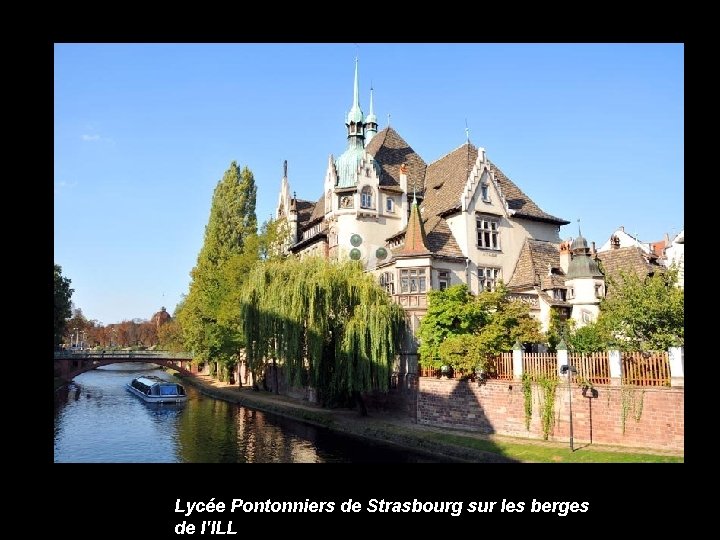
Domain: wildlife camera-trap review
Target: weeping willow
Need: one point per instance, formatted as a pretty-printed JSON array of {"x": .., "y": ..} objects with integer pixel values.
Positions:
[{"x": 327, "y": 323}]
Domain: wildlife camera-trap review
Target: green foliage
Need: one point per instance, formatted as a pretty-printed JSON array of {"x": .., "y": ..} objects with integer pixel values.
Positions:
[
  {"x": 547, "y": 413},
  {"x": 208, "y": 315},
  {"x": 170, "y": 337},
  {"x": 560, "y": 327},
  {"x": 630, "y": 402},
  {"x": 643, "y": 314},
  {"x": 327, "y": 321},
  {"x": 527, "y": 397},
  {"x": 467, "y": 332},
  {"x": 62, "y": 305},
  {"x": 450, "y": 312},
  {"x": 587, "y": 339}
]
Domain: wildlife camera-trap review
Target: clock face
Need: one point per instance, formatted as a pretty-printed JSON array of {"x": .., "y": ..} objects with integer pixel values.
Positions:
[
  {"x": 381, "y": 253},
  {"x": 355, "y": 254},
  {"x": 356, "y": 240}
]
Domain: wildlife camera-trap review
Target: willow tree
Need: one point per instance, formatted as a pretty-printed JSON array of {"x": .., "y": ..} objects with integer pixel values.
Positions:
[
  {"x": 232, "y": 225},
  {"x": 327, "y": 323}
]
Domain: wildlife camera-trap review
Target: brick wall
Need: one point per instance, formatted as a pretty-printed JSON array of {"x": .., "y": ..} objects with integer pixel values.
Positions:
[{"x": 498, "y": 407}]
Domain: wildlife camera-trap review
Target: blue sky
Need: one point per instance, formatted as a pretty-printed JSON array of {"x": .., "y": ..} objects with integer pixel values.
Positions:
[{"x": 143, "y": 133}]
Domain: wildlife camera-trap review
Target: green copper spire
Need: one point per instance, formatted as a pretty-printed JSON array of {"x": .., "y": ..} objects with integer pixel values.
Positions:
[
  {"x": 349, "y": 161},
  {"x": 355, "y": 114}
]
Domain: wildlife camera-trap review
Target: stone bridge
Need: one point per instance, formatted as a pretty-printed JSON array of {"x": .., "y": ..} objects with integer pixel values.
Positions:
[{"x": 70, "y": 364}]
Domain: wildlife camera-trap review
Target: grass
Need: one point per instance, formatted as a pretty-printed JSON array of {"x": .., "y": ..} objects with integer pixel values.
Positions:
[{"x": 543, "y": 453}]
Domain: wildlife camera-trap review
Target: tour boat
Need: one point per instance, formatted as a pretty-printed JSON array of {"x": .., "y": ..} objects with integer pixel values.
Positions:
[{"x": 157, "y": 390}]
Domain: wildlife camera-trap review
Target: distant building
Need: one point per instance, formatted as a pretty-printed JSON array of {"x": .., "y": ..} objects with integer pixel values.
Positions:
[
  {"x": 160, "y": 318},
  {"x": 675, "y": 254}
]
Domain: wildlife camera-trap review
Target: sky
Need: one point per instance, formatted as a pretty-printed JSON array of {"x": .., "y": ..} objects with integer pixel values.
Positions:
[{"x": 144, "y": 132}]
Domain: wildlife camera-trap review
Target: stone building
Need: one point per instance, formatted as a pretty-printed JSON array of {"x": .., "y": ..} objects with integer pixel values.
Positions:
[{"x": 420, "y": 226}]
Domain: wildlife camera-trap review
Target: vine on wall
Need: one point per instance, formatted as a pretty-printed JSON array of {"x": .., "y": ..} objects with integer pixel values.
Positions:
[
  {"x": 547, "y": 414},
  {"x": 630, "y": 403},
  {"x": 527, "y": 395}
]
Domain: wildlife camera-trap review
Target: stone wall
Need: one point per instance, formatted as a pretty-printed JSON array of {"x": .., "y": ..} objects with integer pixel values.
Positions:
[{"x": 654, "y": 417}]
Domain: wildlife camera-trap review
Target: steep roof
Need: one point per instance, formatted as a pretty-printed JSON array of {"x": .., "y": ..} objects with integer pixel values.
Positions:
[
  {"x": 535, "y": 259},
  {"x": 440, "y": 238},
  {"x": 415, "y": 241},
  {"x": 446, "y": 177},
  {"x": 518, "y": 201},
  {"x": 390, "y": 150},
  {"x": 318, "y": 209},
  {"x": 304, "y": 210},
  {"x": 627, "y": 259}
]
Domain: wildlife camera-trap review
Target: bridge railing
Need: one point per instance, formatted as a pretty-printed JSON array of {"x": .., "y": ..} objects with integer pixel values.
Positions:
[{"x": 140, "y": 355}]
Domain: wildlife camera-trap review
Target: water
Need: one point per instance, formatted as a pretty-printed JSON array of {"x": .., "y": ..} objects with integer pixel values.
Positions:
[{"x": 98, "y": 421}]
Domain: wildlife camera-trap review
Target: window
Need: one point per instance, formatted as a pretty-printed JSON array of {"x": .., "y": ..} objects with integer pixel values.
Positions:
[
  {"x": 487, "y": 279},
  {"x": 488, "y": 235},
  {"x": 571, "y": 293},
  {"x": 443, "y": 279},
  {"x": 390, "y": 205},
  {"x": 413, "y": 280},
  {"x": 485, "y": 192},
  {"x": 387, "y": 280},
  {"x": 366, "y": 197},
  {"x": 598, "y": 291}
]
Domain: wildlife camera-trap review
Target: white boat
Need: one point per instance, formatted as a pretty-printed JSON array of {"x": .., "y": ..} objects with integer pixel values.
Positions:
[{"x": 156, "y": 390}]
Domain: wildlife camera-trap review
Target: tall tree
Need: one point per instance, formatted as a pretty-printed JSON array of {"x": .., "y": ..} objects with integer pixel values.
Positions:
[
  {"x": 61, "y": 310},
  {"x": 643, "y": 313},
  {"x": 328, "y": 324},
  {"x": 232, "y": 225}
]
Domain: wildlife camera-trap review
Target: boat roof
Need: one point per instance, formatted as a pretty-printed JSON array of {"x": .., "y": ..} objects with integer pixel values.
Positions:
[{"x": 152, "y": 379}]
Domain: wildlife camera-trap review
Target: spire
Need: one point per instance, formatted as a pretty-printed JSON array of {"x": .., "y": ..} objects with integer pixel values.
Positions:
[
  {"x": 349, "y": 161},
  {"x": 355, "y": 115},
  {"x": 371, "y": 124},
  {"x": 415, "y": 239}
]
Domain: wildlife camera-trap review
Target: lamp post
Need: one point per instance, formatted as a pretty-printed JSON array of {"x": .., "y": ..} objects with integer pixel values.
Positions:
[{"x": 568, "y": 369}]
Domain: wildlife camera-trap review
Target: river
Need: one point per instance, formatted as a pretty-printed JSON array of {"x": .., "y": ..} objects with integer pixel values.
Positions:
[{"x": 98, "y": 421}]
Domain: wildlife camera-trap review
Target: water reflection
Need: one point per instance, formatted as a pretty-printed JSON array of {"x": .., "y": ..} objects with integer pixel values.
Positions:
[{"x": 98, "y": 420}]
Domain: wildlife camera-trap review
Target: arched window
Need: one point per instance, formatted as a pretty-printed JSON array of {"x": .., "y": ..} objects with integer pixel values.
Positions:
[{"x": 366, "y": 197}]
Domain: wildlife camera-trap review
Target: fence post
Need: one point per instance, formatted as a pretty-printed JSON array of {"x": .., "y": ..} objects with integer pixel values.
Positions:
[
  {"x": 562, "y": 357},
  {"x": 517, "y": 354},
  {"x": 615, "y": 361},
  {"x": 676, "y": 356}
]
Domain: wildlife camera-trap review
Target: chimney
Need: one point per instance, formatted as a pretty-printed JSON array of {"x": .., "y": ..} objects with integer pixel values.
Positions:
[
  {"x": 593, "y": 251},
  {"x": 565, "y": 256}
]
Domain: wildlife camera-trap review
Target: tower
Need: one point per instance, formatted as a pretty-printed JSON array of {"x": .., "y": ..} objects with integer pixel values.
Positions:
[{"x": 585, "y": 283}]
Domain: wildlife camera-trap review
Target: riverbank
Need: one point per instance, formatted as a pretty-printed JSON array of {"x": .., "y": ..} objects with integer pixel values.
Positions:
[{"x": 394, "y": 429}]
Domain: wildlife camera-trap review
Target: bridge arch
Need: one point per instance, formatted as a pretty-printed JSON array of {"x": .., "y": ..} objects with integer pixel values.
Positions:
[{"x": 68, "y": 368}]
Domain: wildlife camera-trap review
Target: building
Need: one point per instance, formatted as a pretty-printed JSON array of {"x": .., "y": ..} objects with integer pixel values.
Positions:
[
  {"x": 420, "y": 226},
  {"x": 675, "y": 255},
  {"x": 160, "y": 318}
]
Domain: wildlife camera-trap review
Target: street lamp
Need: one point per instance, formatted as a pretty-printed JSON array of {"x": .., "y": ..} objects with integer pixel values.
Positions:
[{"x": 568, "y": 369}]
